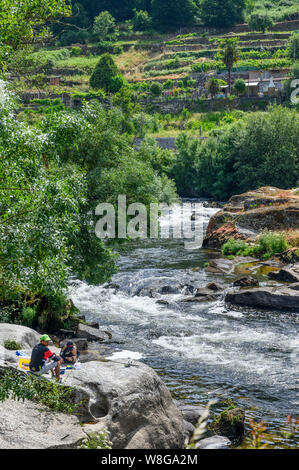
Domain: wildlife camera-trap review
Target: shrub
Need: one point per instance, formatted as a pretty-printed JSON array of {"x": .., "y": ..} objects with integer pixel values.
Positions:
[
  {"x": 76, "y": 51},
  {"x": 168, "y": 84},
  {"x": 141, "y": 20},
  {"x": 28, "y": 316},
  {"x": 260, "y": 22},
  {"x": 12, "y": 345},
  {"x": 234, "y": 247},
  {"x": 156, "y": 89},
  {"x": 239, "y": 86},
  {"x": 71, "y": 37},
  {"x": 117, "y": 83},
  {"x": 98, "y": 440},
  {"x": 104, "y": 27},
  {"x": 270, "y": 243},
  {"x": 103, "y": 73},
  {"x": 17, "y": 387}
]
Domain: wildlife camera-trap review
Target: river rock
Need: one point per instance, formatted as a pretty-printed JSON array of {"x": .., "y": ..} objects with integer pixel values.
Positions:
[
  {"x": 26, "y": 337},
  {"x": 132, "y": 403},
  {"x": 246, "y": 281},
  {"x": 188, "y": 430},
  {"x": 214, "y": 286},
  {"x": 28, "y": 425},
  {"x": 284, "y": 275},
  {"x": 92, "y": 334},
  {"x": 265, "y": 297},
  {"x": 191, "y": 413},
  {"x": 214, "y": 442},
  {"x": 230, "y": 423},
  {"x": 245, "y": 216},
  {"x": 203, "y": 292},
  {"x": 294, "y": 286}
]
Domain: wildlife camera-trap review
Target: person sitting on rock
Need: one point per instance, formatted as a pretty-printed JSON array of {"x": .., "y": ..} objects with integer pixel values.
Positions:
[
  {"x": 43, "y": 360},
  {"x": 69, "y": 353}
]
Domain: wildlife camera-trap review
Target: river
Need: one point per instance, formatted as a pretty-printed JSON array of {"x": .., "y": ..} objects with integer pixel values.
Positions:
[{"x": 201, "y": 351}]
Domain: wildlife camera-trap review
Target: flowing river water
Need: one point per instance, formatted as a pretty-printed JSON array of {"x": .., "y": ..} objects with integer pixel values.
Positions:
[{"x": 202, "y": 351}]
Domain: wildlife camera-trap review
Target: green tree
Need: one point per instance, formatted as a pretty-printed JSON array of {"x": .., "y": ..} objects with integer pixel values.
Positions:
[
  {"x": 104, "y": 73},
  {"x": 213, "y": 86},
  {"x": 229, "y": 54},
  {"x": 221, "y": 13},
  {"x": 141, "y": 20},
  {"x": 239, "y": 86},
  {"x": 156, "y": 89},
  {"x": 104, "y": 27},
  {"x": 22, "y": 22},
  {"x": 172, "y": 14},
  {"x": 260, "y": 22}
]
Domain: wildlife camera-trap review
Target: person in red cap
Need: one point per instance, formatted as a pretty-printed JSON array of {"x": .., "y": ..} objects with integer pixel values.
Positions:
[{"x": 43, "y": 360}]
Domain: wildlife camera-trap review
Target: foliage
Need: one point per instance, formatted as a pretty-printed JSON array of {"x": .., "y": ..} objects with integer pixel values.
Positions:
[
  {"x": 104, "y": 27},
  {"x": 260, "y": 22},
  {"x": 229, "y": 54},
  {"x": 99, "y": 440},
  {"x": 12, "y": 345},
  {"x": 260, "y": 150},
  {"x": 156, "y": 89},
  {"x": 171, "y": 14},
  {"x": 23, "y": 22},
  {"x": 221, "y": 13},
  {"x": 214, "y": 85},
  {"x": 104, "y": 72},
  {"x": 141, "y": 20},
  {"x": 14, "y": 385},
  {"x": 257, "y": 436},
  {"x": 293, "y": 46},
  {"x": 267, "y": 245},
  {"x": 76, "y": 51},
  {"x": 239, "y": 86}
]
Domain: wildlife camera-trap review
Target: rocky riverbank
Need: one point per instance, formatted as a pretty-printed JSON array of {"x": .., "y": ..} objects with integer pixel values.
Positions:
[
  {"x": 127, "y": 399},
  {"x": 245, "y": 216}
]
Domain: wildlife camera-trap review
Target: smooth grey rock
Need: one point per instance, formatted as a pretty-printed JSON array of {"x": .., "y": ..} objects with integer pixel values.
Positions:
[
  {"x": 294, "y": 286},
  {"x": 188, "y": 430},
  {"x": 28, "y": 425},
  {"x": 214, "y": 442},
  {"x": 23, "y": 335},
  {"x": 191, "y": 413},
  {"x": 272, "y": 298},
  {"x": 92, "y": 334},
  {"x": 132, "y": 403}
]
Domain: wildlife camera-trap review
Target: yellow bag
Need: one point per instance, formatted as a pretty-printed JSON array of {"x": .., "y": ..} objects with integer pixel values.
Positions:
[{"x": 24, "y": 363}]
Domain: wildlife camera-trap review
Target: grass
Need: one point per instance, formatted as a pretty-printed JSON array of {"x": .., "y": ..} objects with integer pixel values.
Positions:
[
  {"x": 267, "y": 245},
  {"x": 12, "y": 345}
]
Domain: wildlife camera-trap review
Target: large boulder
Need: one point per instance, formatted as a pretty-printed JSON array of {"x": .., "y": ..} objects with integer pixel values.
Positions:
[
  {"x": 92, "y": 334},
  {"x": 265, "y": 297},
  {"x": 131, "y": 402},
  {"x": 28, "y": 425},
  {"x": 26, "y": 337},
  {"x": 246, "y": 215},
  {"x": 285, "y": 275}
]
